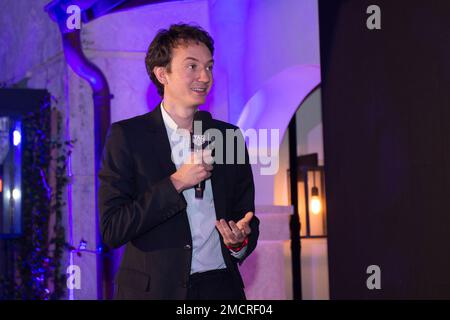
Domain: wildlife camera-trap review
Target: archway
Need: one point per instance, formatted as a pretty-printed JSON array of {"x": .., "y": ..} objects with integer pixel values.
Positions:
[{"x": 273, "y": 107}]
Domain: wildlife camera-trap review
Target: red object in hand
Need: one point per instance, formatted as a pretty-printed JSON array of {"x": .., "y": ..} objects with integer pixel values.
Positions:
[{"x": 237, "y": 249}]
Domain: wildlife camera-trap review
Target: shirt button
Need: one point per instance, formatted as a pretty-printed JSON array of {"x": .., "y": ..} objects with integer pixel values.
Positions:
[{"x": 187, "y": 247}]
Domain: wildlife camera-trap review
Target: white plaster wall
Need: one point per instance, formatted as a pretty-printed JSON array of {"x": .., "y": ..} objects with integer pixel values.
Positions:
[
  {"x": 280, "y": 34},
  {"x": 259, "y": 39},
  {"x": 118, "y": 42}
]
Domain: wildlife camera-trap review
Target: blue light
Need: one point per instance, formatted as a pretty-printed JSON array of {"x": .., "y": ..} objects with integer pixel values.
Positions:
[
  {"x": 17, "y": 137},
  {"x": 16, "y": 194}
]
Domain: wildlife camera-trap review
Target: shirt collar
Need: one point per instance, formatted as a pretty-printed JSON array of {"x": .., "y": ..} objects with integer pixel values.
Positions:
[{"x": 168, "y": 121}]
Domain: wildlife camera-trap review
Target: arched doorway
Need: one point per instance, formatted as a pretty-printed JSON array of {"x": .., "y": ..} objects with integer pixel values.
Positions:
[{"x": 273, "y": 107}]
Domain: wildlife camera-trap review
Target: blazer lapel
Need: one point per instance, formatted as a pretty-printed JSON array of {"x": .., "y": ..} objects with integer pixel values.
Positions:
[{"x": 161, "y": 144}]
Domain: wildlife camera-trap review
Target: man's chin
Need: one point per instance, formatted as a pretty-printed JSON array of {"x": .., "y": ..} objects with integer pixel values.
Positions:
[{"x": 199, "y": 100}]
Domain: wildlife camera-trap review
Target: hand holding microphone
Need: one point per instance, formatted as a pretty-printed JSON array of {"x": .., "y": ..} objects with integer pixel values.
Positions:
[
  {"x": 198, "y": 165},
  {"x": 197, "y": 168}
]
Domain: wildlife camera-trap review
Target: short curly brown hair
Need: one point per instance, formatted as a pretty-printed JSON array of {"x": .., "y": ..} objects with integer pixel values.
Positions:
[{"x": 159, "y": 53}]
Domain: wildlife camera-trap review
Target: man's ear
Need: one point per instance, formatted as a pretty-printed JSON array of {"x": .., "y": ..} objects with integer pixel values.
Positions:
[{"x": 160, "y": 73}]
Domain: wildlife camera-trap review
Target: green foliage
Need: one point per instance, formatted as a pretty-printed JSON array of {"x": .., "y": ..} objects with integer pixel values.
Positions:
[{"x": 40, "y": 251}]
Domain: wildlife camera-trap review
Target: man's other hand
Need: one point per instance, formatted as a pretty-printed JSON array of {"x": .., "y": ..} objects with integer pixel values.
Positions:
[{"x": 233, "y": 233}]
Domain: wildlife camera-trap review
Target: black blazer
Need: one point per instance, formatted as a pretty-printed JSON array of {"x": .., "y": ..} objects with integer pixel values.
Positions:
[{"x": 140, "y": 208}]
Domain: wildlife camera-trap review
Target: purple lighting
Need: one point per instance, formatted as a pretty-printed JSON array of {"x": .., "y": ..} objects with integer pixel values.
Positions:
[{"x": 284, "y": 91}]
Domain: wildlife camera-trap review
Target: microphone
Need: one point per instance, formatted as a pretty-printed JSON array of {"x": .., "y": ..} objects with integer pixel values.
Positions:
[{"x": 202, "y": 121}]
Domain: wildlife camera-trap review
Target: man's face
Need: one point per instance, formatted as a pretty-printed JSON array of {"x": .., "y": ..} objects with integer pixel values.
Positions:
[{"x": 190, "y": 77}]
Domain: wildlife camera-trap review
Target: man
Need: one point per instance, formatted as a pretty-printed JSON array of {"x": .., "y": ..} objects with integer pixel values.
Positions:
[{"x": 177, "y": 246}]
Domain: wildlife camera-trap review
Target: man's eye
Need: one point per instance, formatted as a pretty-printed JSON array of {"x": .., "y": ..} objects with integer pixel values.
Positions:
[
  {"x": 192, "y": 66},
  {"x": 209, "y": 68}
]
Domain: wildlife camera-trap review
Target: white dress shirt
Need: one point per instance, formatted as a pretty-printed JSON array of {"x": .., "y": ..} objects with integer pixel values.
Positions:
[{"x": 206, "y": 251}]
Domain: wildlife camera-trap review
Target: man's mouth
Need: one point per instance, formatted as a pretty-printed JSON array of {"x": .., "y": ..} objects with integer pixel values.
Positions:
[{"x": 199, "y": 89}]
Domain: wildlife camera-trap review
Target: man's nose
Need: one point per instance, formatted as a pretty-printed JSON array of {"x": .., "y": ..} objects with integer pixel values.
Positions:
[{"x": 205, "y": 75}]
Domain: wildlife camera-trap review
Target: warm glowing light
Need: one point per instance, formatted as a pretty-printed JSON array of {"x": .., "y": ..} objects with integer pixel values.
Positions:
[
  {"x": 1, "y": 185},
  {"x": 17, "y": 137},
  {"x": 316, "y": 206}
]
